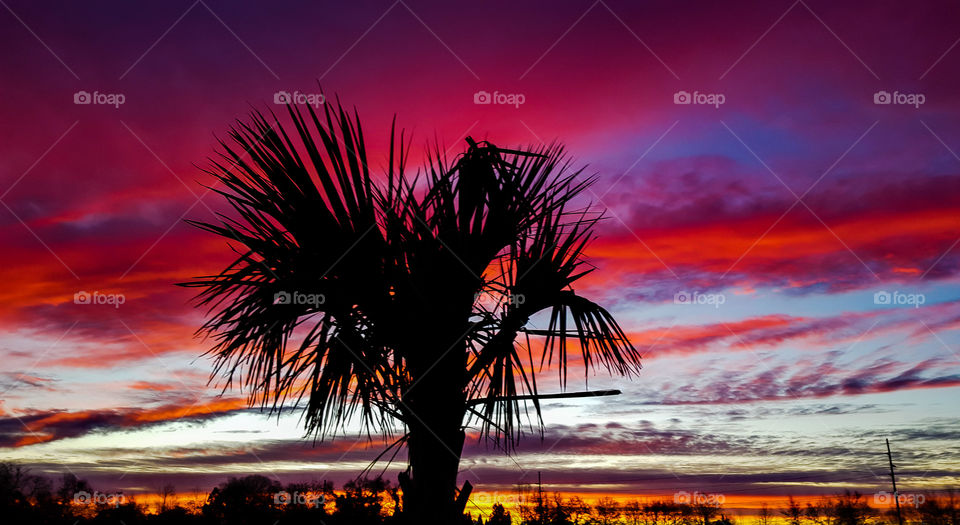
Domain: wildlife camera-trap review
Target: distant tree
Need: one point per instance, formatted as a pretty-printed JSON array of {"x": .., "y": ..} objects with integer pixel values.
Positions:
[
  {"x": 578, "y": 509},
  {"x": 11, "y": 485},
  {"x": 28, "y": 498},
  {"x": 363, "y": 499},
  {"x": 40, "y": 492},
  {"x": 930, "y": 509},
  {"x": 14, "y": 502},
  {"x": 607, "y": 510},
  {"x": 723, "y": 520},
  {"x": 817, "y": 513},
  {"x": 176, "y": 516},
  {"x": 951, "y": 504},
  {"x": 850, "y": 508},
  {"x": 666, "y": 513},
  {"x": 558, "y": 513},
  {"x": 125, "y": 514},
  {"x": 538, "y": 509},
  {"x": 240, "y": 501},
  {"x": 792, "y": 512},
  {"x": 499, "y": 516},
  {"x": 71, "y": 488},
  {"x": 310, "y": 494},
  {"x": 763, "y": 514},
  {"x": 633, "y": 512},
  {"x": 525, "y": 507},
  {"x": 705, "y": 511},
  {"x": 167, "y": 491},
  {"x": 194, "y": 502},
  {"x": 571, "y": 510},
  {"x": 307, "y": 502}
]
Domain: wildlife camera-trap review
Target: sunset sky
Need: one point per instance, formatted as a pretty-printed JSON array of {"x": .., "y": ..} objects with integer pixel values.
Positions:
[{"x": 802, "y": 203}]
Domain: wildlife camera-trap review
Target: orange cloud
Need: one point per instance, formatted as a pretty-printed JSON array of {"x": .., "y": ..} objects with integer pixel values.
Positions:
[{"x": 41, "y": 427}]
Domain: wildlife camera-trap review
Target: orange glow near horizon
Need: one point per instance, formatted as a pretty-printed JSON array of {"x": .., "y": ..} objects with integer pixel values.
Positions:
[{"x": 735, "y": 506}]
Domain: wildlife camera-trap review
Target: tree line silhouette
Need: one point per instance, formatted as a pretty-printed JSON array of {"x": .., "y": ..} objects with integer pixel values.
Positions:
[
  {"x": 259, "y": 500},
  {"x": 847, "y": 508},
  {"x": 249, "y": 500}
]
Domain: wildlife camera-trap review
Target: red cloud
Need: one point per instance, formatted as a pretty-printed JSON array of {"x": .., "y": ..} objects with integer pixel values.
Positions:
[{"x": 714, "y": 235}]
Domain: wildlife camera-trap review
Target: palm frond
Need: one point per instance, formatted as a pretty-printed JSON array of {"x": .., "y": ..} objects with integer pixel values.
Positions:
[
  {"x": 308, "y": 229},
  {"x": 399, "y": 263}
]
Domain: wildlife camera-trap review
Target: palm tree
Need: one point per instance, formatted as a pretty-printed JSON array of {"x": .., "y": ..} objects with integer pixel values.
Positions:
[{"x": 399, "y": 299}]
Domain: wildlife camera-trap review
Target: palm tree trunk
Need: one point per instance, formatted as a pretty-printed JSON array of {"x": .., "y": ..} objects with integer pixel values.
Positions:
[
  {"x": 434, "y": 457},
  {"x": 434, "y": 407}
]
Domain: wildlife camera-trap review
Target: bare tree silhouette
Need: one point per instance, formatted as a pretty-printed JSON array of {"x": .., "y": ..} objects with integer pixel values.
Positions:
[{"x": 398, "y": 298}]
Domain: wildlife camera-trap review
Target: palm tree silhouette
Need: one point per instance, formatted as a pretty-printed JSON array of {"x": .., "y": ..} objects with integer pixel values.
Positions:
[{"x": 399, "y": 299}]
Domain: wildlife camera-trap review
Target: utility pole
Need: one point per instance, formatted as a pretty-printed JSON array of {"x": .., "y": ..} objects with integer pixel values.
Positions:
[
  {"x": 541, "y": 511},
  {"x": 893, "y": 479}
]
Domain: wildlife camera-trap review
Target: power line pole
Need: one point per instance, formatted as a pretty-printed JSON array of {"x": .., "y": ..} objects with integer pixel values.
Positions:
[
  {"x": 893, "y": 479},
  {"x": 541, "y": 511}
]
